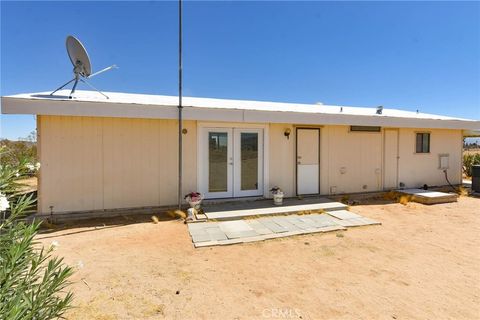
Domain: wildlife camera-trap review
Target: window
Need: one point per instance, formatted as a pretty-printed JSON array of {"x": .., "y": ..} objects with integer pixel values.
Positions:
[
  {"x": 423, "y": 142},
  {"x": 365, "y": 128}
]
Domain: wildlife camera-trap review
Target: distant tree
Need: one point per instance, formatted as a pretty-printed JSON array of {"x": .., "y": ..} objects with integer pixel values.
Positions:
[{"x": 32, "y": 136}]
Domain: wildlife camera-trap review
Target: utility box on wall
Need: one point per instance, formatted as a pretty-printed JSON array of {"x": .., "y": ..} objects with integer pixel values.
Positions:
[{"x": 443, "y": 160}]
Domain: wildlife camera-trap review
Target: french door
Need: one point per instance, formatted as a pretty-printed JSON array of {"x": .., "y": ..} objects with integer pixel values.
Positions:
[{"x": 231, "y": 162}]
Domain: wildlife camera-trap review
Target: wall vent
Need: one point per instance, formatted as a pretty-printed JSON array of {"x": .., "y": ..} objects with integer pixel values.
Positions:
[{"x": 365, "y": 129}]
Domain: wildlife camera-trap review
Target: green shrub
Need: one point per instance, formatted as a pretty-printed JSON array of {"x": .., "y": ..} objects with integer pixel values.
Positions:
[
  {"x": 32, "y": 282},
  {"x": 470, "y": 159}
]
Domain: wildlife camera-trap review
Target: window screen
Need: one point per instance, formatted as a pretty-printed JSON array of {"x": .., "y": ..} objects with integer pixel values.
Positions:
[{"x": 423, "y": 143}]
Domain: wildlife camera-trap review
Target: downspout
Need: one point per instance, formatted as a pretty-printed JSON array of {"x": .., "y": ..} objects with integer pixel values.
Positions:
[{"x": 180, "y": 107}]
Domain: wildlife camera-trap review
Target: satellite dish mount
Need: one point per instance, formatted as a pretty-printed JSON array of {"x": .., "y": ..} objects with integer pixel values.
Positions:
[{"x": 82, "y": 68}]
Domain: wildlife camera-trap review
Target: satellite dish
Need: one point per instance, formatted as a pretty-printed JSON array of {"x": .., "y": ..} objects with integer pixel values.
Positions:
[
  {"x": 78, "y": 55},
  {"x": 82, "y": 67}
]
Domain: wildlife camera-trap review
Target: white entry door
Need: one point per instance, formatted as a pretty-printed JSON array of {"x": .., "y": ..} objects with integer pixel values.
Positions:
[
  {"x": 231, "y": 162},
  {"x": 390, "y": 160},
  {"x": 308, "y": 160}
]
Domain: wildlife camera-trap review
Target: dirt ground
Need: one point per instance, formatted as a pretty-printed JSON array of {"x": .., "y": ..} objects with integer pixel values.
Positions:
[{"x": 423, "y": 262}]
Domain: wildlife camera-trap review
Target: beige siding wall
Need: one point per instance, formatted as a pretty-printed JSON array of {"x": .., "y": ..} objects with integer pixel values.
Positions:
[
  {"x": 351, "y": 161},
  {"x": 415, "y": 170},
  {"x": 107, "y": 163},
  {"x": 358, "y": 155},
  {"x": 282, "y": 160}
]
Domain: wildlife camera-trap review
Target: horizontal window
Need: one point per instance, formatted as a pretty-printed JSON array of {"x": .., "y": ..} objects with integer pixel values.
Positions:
[
  {"x": 365, "y": 128},
  {"x": 422, "y": 142}
]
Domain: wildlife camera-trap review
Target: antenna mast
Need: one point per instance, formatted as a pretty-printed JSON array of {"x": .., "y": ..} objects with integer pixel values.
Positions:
[{"x": 180, "y": 107}]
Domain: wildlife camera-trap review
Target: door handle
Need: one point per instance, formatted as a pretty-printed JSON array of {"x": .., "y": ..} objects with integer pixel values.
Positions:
[{"x": 230, "y": 163}]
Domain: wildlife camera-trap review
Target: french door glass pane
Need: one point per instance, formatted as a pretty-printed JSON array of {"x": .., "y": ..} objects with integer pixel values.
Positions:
[
  {"x": 217, "y": 161},
  {"x": 249, "y": 159}
]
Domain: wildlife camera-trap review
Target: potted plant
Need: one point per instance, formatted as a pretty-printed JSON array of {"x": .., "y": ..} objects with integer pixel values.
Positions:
[
  {"x": 194, "y": 199},
  {"x": 277, "y": 195}
]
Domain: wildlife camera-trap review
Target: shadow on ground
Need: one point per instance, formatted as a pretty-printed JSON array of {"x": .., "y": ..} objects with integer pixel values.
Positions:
[{"x": 96, "y": 224}]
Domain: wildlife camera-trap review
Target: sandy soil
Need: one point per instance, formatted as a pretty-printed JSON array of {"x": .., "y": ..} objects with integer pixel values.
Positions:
[{"x": 422, "y": 263}]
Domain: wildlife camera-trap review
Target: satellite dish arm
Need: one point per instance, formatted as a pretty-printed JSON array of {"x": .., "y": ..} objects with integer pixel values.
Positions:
[
  {"x": 103, "y": 70},
  {"x": 62, "y": 86},
  {"x": 86, "y": 82}
]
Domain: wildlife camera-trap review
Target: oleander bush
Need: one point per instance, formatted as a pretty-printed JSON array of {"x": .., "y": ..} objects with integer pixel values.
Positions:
[{"x": 33, "y": 282}]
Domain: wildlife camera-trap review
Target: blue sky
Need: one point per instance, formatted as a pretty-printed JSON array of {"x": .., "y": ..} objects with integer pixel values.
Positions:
[{"x": 409, "y": 55}]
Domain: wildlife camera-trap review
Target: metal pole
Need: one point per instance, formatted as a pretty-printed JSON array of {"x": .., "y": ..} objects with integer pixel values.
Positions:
[{"x": 180, "y": 107}]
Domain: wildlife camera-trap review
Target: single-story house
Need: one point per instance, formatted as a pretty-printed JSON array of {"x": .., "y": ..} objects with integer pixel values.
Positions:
[{"x": 122, "y": 152}]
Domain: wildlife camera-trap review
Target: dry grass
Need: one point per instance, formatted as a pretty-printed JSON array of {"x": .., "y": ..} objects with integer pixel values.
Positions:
[
  {"x": 177, "y": 214},
  {"x": 405, "y": 199},
  {"x": 397, "y": 197},
  {"x": 471, "y": 151},
  {"x": 391, "y": 195},
  {"x": 463, "y": 192},
  {"x": 344, "y": 199},
  {"x": 28, "y": 185}
]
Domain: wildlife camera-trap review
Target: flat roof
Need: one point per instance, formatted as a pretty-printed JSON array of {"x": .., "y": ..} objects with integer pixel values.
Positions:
[{"x": 129, "y": 105}]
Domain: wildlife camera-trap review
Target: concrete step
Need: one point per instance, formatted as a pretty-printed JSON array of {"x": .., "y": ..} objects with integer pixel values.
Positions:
[
  {"x": 236, "y": 213},
  {"x": 429, "y": 196}
]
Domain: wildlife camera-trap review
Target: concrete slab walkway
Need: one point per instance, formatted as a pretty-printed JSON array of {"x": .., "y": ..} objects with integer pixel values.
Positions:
[{"x": 206, "y": 234}]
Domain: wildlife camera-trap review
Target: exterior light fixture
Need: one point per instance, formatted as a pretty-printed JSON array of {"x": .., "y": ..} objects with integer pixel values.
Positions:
[{"x": 287, "y": 132}]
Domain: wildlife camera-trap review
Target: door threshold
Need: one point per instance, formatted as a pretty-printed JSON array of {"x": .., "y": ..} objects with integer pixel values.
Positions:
[{"x": 309, "y": 195}]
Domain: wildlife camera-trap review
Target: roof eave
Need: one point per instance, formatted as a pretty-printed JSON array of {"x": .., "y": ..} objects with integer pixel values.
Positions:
[{"x": 15, "y": 105}]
